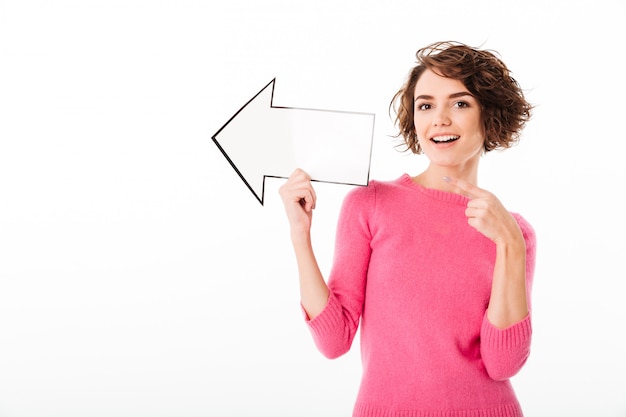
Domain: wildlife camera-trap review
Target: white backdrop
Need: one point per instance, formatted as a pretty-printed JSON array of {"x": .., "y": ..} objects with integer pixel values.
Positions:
[{"x": 140, "y": 277}]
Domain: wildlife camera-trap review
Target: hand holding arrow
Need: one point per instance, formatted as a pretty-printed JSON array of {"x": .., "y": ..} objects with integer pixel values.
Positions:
[{"x": 262, "y": 140}]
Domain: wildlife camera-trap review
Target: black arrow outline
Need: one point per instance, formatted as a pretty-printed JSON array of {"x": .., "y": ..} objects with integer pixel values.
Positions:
[{"x": 273, "y": 84}]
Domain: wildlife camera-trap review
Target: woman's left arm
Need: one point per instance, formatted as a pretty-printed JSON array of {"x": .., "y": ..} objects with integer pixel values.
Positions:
[
  {"x": 508, "y": 303},
  {"x": 506, "y": 329}
]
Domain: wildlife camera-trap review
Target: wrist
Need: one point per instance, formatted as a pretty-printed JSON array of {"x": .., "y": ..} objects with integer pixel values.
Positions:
[
  {"x": 301, "y": 237},
  {"x": 511, "y": 246}
]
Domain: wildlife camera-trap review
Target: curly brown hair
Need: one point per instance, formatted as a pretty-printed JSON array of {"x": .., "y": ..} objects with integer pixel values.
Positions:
[{"x": 504, "y": 109}]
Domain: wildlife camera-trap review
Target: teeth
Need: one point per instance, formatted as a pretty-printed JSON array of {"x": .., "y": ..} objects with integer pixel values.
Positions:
[{"x": 447, "y": 138}]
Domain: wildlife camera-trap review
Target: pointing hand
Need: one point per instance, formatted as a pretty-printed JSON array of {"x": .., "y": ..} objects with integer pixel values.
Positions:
[{"x": 486, "y": 213}]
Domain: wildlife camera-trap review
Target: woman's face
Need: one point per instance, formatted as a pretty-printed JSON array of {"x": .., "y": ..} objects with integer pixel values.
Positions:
[{"x": 447, "y": 122}]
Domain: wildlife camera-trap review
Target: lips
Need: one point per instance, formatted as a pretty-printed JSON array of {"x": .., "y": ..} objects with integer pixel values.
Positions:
[{"x": 445, "y": 138}]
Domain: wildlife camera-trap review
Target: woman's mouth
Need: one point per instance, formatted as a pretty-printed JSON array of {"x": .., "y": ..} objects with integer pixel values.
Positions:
[{"x": 445, "y": 138}]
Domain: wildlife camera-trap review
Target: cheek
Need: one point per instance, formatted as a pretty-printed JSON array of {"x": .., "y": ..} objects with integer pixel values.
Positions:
[{"x": 418, "y": 126}]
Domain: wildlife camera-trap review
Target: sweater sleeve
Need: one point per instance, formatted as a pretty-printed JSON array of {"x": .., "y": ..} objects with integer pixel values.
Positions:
[
  {"x": 333, "y": 330},
  {"x": 505, "y": 351}
]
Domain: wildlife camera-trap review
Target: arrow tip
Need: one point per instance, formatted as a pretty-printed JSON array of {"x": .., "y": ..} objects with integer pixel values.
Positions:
[{"x": 234, "y": 137}]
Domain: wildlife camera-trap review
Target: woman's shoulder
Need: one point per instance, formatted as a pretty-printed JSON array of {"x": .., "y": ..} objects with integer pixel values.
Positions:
[
  {"x": 378, "y": 187},
  {"x": 373, "y": 198}
]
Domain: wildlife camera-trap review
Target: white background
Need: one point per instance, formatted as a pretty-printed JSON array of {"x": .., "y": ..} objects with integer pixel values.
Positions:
[{"x": 140, "y": 277}]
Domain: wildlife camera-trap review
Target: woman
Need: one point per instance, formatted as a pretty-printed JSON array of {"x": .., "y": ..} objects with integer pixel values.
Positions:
[{"x": 433, "y": 268}]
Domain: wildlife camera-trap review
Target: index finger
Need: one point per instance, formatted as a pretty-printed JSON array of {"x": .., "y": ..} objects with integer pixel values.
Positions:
[{"x": 465, "y": 188}]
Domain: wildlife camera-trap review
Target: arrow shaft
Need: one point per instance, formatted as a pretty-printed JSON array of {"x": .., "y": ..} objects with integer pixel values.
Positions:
[{"x": 331, "y": 146}]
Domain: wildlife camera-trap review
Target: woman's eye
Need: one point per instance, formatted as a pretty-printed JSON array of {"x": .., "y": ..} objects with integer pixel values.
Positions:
[
  {"x": 461, "y": 104},
  {"x": 423, "y": 106}
]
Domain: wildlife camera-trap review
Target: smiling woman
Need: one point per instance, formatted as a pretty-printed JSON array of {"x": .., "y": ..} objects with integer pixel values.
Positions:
[
  {"x": 433, "y": 269},
  {"x": 139, "y": 277}
]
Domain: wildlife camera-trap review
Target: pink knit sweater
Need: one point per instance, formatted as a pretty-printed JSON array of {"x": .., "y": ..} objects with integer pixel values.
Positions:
[{"x": 418, "y": 278}]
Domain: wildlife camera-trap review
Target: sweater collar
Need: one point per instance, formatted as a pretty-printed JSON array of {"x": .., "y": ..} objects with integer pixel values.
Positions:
[{"x": 434, "y": 193}]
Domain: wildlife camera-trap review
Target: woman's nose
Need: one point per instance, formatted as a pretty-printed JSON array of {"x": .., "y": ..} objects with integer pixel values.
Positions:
[{"x": 441, "y": 117}]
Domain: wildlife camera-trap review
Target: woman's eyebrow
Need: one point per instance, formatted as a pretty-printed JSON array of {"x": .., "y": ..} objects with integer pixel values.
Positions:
[{"x": 453, "y": 95}]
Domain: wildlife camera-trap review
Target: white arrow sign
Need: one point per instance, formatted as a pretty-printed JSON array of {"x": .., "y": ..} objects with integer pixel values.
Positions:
[{"x": 262, "y": 140}]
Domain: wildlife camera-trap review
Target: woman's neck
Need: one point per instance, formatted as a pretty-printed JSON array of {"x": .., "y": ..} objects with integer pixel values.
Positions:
[{"x": 433, "y": 177}]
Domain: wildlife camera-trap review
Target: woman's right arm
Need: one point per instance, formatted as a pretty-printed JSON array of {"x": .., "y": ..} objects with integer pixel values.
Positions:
[{"x": 299, "y": 200}]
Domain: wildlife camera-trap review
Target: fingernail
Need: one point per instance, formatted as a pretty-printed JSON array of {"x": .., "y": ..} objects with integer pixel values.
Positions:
[{"x": 446, "y": 179}]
